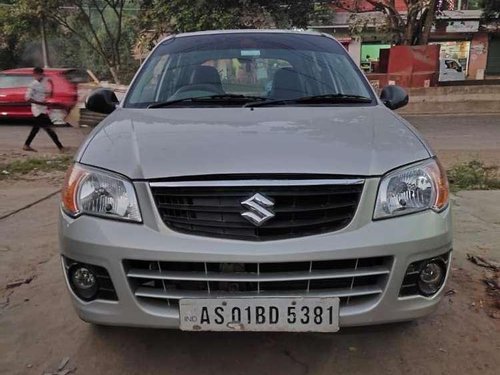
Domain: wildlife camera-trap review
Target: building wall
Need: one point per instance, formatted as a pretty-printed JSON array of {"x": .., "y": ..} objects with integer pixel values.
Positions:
[
  {"x": 478, "y": 55},
  {"x": 354, "y": 49}
]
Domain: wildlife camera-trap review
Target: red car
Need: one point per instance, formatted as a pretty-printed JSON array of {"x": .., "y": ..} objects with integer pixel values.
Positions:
[{"x": 63, "y": 91}]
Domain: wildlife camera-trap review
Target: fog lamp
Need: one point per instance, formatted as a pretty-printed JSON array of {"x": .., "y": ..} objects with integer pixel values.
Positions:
[
  {"x": 83, "y": 281},
  {"x": 431, "y": 277}
]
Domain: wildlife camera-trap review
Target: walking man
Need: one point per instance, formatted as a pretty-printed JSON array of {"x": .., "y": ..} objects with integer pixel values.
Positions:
[{"x": 36, "y": 95}]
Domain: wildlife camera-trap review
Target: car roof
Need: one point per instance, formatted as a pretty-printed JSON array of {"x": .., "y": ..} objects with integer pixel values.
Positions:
[
  {"x": 30, "y": 70},
  {"x": 246, "y": 31}
]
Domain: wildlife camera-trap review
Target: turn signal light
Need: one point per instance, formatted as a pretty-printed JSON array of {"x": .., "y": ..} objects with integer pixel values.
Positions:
[
  {"x": 70, "y": 189},
  {"x": 442, "y": 187}
]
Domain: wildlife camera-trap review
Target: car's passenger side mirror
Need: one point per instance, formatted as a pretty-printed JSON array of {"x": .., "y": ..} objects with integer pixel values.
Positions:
[
  {"x": 394, "y": 97},
  {"x": 102, "y": 101}
]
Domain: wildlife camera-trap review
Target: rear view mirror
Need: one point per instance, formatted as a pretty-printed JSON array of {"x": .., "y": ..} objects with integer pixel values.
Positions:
[
  {"x": 394, "y": 97},
  {"x": 101, "y": 101}
]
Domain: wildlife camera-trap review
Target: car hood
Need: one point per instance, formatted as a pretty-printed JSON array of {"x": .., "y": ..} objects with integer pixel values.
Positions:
[{"x": 172, "y": 142}]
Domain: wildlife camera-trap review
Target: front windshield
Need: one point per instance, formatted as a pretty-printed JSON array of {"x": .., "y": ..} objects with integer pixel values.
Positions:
[{"x": 268, "y": 66}]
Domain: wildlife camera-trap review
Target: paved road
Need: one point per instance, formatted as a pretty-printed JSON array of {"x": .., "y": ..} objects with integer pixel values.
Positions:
[
  {"x": 461, "y": 138},
  {"x": 455, "y": 138}
]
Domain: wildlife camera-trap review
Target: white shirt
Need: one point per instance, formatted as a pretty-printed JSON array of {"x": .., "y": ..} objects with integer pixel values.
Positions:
[{"x": 37, "y": 91}]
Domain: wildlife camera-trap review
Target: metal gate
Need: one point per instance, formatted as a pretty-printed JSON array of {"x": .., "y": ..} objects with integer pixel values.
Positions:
[{"x": 493, "y": 64}]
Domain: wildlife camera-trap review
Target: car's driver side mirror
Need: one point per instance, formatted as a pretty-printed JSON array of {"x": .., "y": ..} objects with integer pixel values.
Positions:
[
  {"x": 102, "y": 101},
  {"x": 394, "y": 97}
]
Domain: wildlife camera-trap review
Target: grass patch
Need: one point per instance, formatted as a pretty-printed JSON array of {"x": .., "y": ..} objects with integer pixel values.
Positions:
[
  {"x": 473, "y": 175},
  {"x": 26, "y": 166}
]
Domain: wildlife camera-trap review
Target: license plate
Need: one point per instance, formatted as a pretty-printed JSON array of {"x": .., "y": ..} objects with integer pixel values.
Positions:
[{"x": 260, "y": 314}]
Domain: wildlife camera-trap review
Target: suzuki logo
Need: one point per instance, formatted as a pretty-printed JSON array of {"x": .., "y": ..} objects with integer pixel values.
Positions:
[{"x": 259, "y": 209}]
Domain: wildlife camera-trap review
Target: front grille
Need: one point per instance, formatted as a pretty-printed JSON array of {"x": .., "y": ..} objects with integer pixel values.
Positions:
[
  {"x": 352, "y": 280},
  {"x": 215, "y": 211}
]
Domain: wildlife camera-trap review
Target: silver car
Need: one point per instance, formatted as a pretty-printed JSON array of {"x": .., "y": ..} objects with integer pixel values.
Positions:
[{"x": 254, "y": 181}]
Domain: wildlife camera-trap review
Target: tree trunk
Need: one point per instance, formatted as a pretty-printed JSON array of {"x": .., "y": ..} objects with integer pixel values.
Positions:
[
  {"x": 45, "y": 49},
  {"x": 114, "y": 74},
  {"x": 409, "y": 31},
  {"x": 429, "y": 20}
]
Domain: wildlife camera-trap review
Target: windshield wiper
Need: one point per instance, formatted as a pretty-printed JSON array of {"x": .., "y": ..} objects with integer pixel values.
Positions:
[
  {"x": 211, "y": 98},
  {"x": 315, "y": 99}
]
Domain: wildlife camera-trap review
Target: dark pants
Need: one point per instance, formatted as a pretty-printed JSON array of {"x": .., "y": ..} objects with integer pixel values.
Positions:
[{"x": 43, "y": 121}]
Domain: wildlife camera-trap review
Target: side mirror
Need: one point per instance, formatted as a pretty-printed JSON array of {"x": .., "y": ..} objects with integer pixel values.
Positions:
[
  {"x": 394, "y": 97},
  {"x": 101, "y": 101}
]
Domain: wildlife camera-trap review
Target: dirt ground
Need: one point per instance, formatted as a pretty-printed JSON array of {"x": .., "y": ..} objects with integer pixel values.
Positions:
[{"x": 38, "y": 327}]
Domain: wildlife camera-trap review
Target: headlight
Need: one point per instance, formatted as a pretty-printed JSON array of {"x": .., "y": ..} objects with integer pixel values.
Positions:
[
  {"x": 95, "y": 192},
  {"x": 414, "y": 188}
]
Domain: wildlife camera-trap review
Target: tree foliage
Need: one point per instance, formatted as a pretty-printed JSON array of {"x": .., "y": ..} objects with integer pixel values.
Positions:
[
  {"x": 159, "y": 17},
  {"x": 98, "y": 24},
  {"x": 491, "y": 9},
  {"x": 412, "y": 27},
  {"x": 14, "y": 34}
]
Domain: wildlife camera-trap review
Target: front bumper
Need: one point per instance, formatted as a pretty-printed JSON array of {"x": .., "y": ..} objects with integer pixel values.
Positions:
[{"x": 107, "y": 243}]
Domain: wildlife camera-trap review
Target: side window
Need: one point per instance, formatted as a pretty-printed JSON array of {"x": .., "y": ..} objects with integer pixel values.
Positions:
[
  {"x": 4, "y": 81},
  {"x": 14, "y": 81},
  {"x": 76, "y": 76}
]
